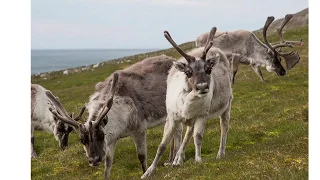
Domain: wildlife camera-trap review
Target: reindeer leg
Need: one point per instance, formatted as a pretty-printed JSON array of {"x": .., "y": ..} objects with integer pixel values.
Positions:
[
  {"x": 141, "y": 147},
  {"x": 109, "y": 159},
  {"x": 169, "y": 130},
  {"x": 178, "y": 160},
  {"x": 224, "y": 124},
  {"x": 175, "y": 145},
  {"x": 199, "y": 126},
  {"x": 235, "y": 64},
  {"x": 33, "y": 152},
  {"x": 257, "y": 70},
  {"x": 171, "y": 154}
]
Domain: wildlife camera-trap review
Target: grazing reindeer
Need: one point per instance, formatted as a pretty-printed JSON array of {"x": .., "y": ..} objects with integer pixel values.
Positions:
[
  {"x": 244, "y": 47},
  {"x": 138, "y": 103},
  {"x": 42, "y": 119},
  {"x": 198, "y": 88}
]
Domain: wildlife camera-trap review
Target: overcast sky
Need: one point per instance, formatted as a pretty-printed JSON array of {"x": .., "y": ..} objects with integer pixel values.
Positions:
[{"x": 139, "y": 24}]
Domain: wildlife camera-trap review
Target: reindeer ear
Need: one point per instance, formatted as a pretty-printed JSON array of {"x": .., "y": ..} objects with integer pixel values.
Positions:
[
  {"x": 104, "y": 121},
  {"x": 70, "y": 128},
  {"x": 180, "y": 66},
  {"x": 214, "y": 60},
  {"x": 59, "y": 123},
  {"x": 99, "y": 86},
  {"x": 81, "y": 128},
  {"x": 269, "y": 51}
]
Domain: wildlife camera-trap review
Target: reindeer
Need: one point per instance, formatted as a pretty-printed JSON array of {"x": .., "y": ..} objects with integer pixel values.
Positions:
[
  {"x": 244, "y": 47},
  {"x": 198, "y": 88},
  {"x": 42, "y": 119},
  {"x": 125, "y": 104}
]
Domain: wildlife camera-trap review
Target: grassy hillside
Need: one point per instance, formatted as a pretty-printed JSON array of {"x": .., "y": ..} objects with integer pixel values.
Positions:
[
  {"x": 299, "y": 19},
  {"x": 268, "y": 137}
]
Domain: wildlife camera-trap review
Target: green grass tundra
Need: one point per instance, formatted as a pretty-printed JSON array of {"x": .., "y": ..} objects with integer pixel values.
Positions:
[{"x": 268, "y": 136}]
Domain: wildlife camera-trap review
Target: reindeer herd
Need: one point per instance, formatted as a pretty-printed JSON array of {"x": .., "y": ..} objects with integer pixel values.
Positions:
[{"x": 162, "y": 90}]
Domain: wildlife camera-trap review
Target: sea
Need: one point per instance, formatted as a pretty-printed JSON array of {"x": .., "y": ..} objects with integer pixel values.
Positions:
[{"x": 53, "y": 60}]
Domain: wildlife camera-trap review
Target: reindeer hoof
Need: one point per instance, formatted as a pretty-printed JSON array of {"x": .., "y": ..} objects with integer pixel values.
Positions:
[
  {"x": 150, "y": 171},
  {"x": 178, "y": 161},
  {"x": 220, "y": 155},
  {"x": 33, "y": 155},
  {"x": 198, "y": 160}
]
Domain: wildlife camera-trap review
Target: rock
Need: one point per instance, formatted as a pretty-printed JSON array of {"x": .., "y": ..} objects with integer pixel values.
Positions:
[
  {"x": 66, "y": 72},
  {"x": 96, "y": 65}
]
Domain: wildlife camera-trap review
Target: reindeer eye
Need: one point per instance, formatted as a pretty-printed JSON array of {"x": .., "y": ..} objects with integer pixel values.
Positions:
[
  {"x": 82, "y": 141},
  {"x": 208, "y": 69},
  {"x": 188, "y": 73}
]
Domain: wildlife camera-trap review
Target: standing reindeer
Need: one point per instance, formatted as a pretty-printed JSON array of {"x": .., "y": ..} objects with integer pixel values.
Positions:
[
  {"x": 198, "y": 88},
  {"x": 120, "y": 108},
  {"x": 42, "y": 119},
  {"x": 244, "y": 47}
]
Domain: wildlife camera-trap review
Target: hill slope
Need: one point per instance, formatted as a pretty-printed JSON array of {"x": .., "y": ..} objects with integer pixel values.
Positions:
[{"x": 299, "y": 19}]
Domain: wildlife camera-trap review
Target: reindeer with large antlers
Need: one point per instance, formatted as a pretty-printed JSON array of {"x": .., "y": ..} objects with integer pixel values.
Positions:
[
  {"x": 138, "y": 104},
  {"x": 42, "y": 119},
  {"x": 244, "y": 47},
  {"x": 198, "y": 89}
]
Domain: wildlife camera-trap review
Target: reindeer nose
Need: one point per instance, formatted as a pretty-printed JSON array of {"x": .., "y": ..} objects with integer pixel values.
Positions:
[
  {"x": 282, "y": 73},
  {"x": 94, "y": 161},
  {"x": 202, "y": 86}
]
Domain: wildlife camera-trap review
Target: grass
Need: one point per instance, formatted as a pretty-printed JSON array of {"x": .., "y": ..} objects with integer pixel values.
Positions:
[{"x": 268, "y": 137}]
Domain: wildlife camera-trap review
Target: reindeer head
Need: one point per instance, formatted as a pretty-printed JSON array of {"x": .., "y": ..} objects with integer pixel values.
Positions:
[
  {"x": 275, "y": 55},
  {"x": 61, "y": 133},
  {"x": 91, "y": 133},
  {"x": 197, "y": 70},
  {"x": 62, "y": 130}
]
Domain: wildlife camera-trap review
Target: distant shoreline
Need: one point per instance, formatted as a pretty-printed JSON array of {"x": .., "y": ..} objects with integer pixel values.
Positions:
[
  {"x": 81, "y": 49},
  {"x": 64, "y": 59}
]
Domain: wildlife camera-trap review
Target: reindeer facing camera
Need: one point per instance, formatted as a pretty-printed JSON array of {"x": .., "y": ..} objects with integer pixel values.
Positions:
[{"x": 198, "y": 89}]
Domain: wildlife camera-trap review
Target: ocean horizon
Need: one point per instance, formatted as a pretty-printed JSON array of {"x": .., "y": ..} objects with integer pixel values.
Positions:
[{"x": 46, "y": 60}]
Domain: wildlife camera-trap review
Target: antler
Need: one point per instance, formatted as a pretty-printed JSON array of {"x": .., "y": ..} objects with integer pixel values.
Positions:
[
  {"x": 58, "y": 110},
  {"x": 81, "y": 113},
  {"x": 291, "y": 59},
  {"x": 108, "y": 105},
  {"x": 286, "y": 44},
  {"x": 209, "y": 43},
  {"x": 283, "y": 43},
  {"x": 270, "y": 19},
  {"x": 186, "y": 56},
  {"x": 287, "y": 18}
]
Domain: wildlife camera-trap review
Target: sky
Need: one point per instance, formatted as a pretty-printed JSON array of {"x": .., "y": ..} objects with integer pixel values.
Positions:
[{"x": 139, "y": 24}]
